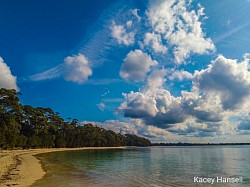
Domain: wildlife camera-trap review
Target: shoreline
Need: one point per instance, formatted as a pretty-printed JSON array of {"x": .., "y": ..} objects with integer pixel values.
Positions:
[{"x": 22, "y": 168}]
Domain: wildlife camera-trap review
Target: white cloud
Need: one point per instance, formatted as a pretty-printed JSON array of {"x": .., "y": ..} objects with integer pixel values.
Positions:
[
  {"x": 155, "y": 41},
  {"x": 136, "y": 66},
  {"x": 219, "y": 92},
  {"x": 156, "y": 80},
  {"x": 230, "y": 33},
  {"x": 101, "y": 106},
  {"x": 135, "y": 13},
  {"x": 228, "y": 79},
  {"x": 153, "y": 103},
  {"x": 180, "y": 27},
  {"x": 121, "y": 35},
  {"x": 193, "y": 129},
  {"x": 77, "y": 69},
  {"x": 102, "y": 81},
  {"x": 178, "y": 132},
  {"x": 112, "y": 100},
  {"x": 7, "y": 80},
  {"x": 129, "y": 23},
  {"x": 246, "y": 56},
  {"x": 137, "y": 127},
  {"x": 116, "y": 126},
  {"x": 180, "y": 75},
  {"x": 48, "y": 74}
]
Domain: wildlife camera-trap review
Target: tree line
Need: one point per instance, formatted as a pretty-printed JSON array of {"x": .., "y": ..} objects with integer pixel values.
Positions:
[{"x": 23, "y": 126}]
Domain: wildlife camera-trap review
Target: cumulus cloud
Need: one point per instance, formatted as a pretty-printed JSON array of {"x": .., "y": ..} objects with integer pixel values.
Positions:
[
  {"x": 122, "y": 36},
  {"x": 116, "y": 126},
  {"x": 74, "y": 69},
  {"x": 7, "y": 80},
  {"x": 175, "y": 133},
  {"x": 180, "y": 27},
  {"x": 218, "y": 92},
  {"x": 77, "y": 68},
  {"x": 228, "y": 79},
  {"x": 136, "y": 66},
  {"x": 155, "y": 41},
  {"x": 153, "y": 103},
  {"x": 180, "y": 75},
  {"x": 154, "y": 132},
  {"x": 193, "y": 129},
  {"x": 137, "y": 127}
]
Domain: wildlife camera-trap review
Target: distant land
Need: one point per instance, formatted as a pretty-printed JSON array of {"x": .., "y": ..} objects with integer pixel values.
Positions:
[{"x": 196, "y": 144}]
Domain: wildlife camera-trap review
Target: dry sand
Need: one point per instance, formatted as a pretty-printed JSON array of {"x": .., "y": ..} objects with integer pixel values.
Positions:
[{"x": 21, "y": 168}]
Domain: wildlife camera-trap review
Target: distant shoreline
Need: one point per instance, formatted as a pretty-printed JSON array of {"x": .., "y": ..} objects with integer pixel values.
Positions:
[
  {"x": 197, "y": 144},
  {"x": 22, "y": 168}
]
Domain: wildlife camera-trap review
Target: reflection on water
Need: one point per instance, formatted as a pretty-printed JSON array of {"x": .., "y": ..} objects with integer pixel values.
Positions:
[{"x": 151, "y": 166}]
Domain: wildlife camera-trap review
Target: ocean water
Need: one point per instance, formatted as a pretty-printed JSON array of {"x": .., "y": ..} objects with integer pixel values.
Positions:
[{"x": 150, "y": 166}]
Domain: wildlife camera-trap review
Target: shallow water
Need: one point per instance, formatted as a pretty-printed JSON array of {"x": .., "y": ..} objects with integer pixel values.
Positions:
[{"x": 150, "y": 166}]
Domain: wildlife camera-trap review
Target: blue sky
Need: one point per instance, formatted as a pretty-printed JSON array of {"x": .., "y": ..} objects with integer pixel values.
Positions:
[{"x": 168, "y": 70}]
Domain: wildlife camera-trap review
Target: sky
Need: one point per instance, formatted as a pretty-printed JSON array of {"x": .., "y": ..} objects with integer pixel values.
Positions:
[{"x": 168, "y": 70}]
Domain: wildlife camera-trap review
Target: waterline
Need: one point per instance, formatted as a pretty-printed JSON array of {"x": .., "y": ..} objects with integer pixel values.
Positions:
[{"x": 151, "y": 166}]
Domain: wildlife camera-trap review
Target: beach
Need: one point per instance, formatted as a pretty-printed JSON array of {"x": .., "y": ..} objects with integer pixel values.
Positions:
[{"x": 21, "y": 167}]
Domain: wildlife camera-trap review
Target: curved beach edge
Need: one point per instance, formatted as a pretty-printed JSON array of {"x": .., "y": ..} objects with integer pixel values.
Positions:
[{"x": 22, "y": 168}]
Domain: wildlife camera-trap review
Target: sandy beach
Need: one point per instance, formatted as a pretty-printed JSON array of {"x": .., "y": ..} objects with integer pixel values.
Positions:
[{"x": 22, "y": 168}]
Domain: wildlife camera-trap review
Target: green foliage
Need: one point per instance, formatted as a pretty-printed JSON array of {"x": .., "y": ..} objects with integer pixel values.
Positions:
[
  {"x": 28, "y": 127},
  {"x": 133, "y": 140}
]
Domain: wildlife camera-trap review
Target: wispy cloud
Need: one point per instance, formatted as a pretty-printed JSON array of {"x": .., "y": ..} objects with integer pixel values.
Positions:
[
  {"x": 102, "y": 81},
  {"x": 98, "y": 42},
  {"x": 231, "y": 33},
  {"x": 101, "y": 106},
  {"x": 48, "y": 74},
  {"x": 113, "y": 100}
]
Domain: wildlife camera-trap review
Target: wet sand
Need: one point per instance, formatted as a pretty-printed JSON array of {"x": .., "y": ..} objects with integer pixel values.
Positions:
[{"x": 21, "y": 167}]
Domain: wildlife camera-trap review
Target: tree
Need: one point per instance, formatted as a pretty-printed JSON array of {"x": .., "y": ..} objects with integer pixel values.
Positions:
[{"x": 29, "y": 127}]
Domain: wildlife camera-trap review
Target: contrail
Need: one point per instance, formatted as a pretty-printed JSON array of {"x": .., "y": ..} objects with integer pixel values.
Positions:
[
  {"x": 230, "y": 33},
  {"x": 48, "y": 74}
]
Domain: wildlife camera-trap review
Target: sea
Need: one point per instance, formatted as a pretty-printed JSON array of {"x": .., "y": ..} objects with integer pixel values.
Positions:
[{"x": 148, "y": 166}]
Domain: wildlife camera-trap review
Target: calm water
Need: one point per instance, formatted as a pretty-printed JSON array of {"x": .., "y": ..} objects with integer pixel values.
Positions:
[{"x": 151, "y": 166}]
